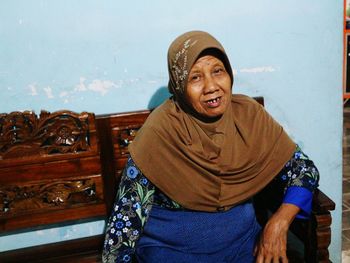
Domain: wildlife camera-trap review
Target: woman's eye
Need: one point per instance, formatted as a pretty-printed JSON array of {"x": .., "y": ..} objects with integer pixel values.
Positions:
[
  {"x": 218, "y": 70},
  {"x": 194, "y": 78}
]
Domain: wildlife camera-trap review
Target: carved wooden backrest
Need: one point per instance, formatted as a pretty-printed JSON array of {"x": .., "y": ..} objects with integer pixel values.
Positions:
[
  {"x": 117, "y": 131},
  {"x": 50, "y": 169}
]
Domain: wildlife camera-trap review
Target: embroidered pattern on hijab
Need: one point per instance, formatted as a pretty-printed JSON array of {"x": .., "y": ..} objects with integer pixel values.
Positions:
[
  {"x": 208, "y": 166},
  {"x": 180, "y": 65}
]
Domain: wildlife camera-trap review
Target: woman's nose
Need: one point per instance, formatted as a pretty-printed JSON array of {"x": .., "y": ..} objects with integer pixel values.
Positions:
[{"x": 210, "y": 85}]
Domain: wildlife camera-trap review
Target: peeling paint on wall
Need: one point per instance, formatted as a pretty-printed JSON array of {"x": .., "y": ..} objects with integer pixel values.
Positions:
[
  {"x": 48, "y": 91},
  {"x": 81, "y": 86},
  {"x": 101, "y": 86},
  {"x": 32, "y": 89},
  {"x": 97, "y": 85}
]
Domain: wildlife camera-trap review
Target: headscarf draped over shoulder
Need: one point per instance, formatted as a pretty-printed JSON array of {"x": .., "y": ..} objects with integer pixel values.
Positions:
[{"x": 208, "y": 166}]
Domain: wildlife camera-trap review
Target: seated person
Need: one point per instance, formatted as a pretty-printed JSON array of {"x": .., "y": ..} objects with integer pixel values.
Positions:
[{"x": 186, "y": 191}]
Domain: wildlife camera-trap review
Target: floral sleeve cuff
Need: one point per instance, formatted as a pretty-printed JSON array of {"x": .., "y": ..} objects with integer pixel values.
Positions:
[
  {"x": 129, "y": 215},
  {"x": 302, "y": 198},
  {"x": 300, "y": 171}
]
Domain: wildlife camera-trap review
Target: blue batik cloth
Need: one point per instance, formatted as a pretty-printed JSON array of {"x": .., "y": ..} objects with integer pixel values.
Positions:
[
  {"x": 137, "y": 195},
  {"x": 182, "y": 236}
]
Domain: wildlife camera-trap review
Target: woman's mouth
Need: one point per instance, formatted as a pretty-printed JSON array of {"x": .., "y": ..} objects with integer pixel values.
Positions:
[{"x": 213, "y": 103}]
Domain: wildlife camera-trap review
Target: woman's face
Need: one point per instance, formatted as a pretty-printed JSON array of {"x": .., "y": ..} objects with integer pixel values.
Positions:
[{"x": 208, "y": 89}]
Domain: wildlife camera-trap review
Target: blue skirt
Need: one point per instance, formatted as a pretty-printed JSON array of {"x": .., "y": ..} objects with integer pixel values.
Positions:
[{"x": 188, "y": 236}]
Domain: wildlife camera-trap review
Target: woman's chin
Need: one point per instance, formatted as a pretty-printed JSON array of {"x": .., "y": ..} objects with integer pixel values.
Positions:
[
  {"x": 214, "y": 112},
  {"x": 211, "y": 115}
]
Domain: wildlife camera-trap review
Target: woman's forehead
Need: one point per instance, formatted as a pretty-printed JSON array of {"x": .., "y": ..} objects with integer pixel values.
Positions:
[{"x": 207, "y": 60}]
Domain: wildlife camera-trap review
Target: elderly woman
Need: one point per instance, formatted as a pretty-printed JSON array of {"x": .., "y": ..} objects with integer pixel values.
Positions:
[{"x": 185, "y": 194}]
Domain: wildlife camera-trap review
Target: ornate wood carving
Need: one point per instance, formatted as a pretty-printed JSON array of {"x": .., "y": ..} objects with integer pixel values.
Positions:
[
  {"x": 26, "y": 134},
  {"x": 125, "y": 136},
  {"x": 50, "y": 170},
  {"x": 14, "y": 198}
]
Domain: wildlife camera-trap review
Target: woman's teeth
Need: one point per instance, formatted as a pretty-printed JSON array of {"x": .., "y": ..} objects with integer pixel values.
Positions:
[{"x": 214, "y": 102}]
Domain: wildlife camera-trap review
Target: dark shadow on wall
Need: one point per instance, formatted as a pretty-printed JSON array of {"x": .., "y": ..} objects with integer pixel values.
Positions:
[{"x": 158, "y": 97}]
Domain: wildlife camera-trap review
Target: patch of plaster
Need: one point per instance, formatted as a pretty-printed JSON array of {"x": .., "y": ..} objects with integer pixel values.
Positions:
[
  {"x": 68, "y": 95},
  {"x": 101, "y": 86},
  {"x": 81, "y": 86},
  {"x": 97, "y": 85},
  {"x": 33, "y": 89},
  {"x": 48, "y": 92},
  {"x": 258, "y": 69}
]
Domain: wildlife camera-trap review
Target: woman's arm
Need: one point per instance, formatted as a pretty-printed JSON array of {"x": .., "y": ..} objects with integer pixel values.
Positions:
[
  {"x": 272, "y": 245},
  {"x": 129, "y": 215},
  {"x": 299, "y": 178}
]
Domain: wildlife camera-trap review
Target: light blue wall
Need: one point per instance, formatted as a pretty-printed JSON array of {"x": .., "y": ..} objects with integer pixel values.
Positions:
[{"x": 110, "y": 56}]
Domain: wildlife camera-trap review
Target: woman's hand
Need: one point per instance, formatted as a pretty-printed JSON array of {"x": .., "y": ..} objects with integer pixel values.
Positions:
[{"x": 272, "y": 245}]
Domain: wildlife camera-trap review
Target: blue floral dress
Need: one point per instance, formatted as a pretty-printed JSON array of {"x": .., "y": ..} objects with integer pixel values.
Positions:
[{"x": 138, "y": 201}]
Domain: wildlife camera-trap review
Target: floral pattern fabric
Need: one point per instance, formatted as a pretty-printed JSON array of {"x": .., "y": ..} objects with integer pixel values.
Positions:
[
  {"x": 136, "y": 195},
  {"x": 130, "y": 212},
  {"x": 299, "y": 171}
]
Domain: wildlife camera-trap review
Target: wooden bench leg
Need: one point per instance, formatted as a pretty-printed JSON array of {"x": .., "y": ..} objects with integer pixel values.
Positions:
[{"x": 316, "y": 248}]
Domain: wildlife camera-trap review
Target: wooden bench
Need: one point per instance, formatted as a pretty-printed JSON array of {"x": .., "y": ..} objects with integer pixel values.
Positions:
[{"x": 62, "y": 168}]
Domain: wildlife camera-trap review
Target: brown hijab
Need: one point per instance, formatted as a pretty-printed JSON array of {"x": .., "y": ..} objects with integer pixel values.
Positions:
[{"x": 208, "y": 166}]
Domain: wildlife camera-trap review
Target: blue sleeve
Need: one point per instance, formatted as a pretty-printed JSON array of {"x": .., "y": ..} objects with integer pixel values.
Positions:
[
  {"x": 129, "y": 215},
  {"x": 300, "y": 178},
  {"x": 302, "y": 198}
]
